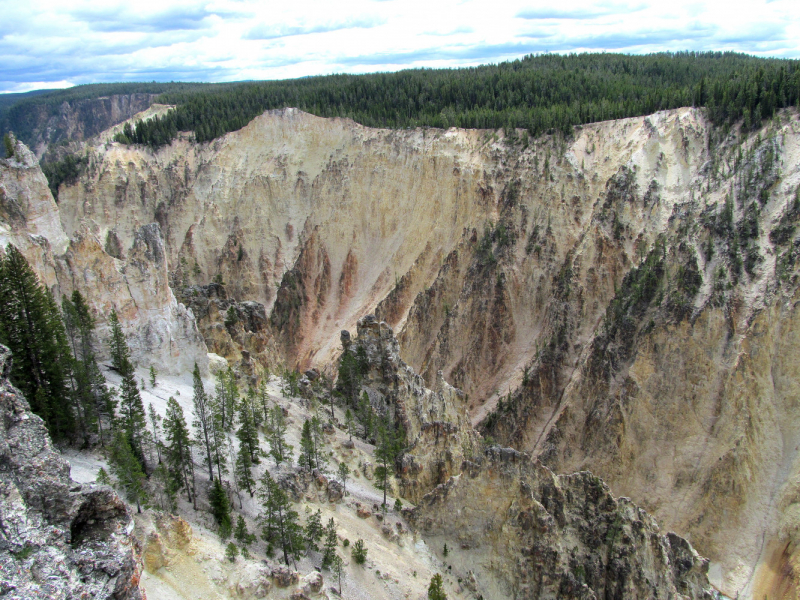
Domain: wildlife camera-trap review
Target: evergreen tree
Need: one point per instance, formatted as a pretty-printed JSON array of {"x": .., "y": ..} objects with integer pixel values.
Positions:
[
  {"x": 252, "y": 401},
  {"x": 279, "y": 449},
  {"x": 321, "y": 462},
  {"x": 281, "y": 522},
  {"x": 359, "y": 552},
  {"x": 331, "y": 542},
  {"x": 203, "y": 420},
  {"x": 248, "y": 431},
  {"x": 231, "y": 552},
  {"x": 243, "y": 471},
  {"x": 352, "y": 368},
  {"x": 240, "y": 532},
  {"x": 344, "y": 474},
  {"x": 102, "y": 477},
  {"x": 155, "y": 423},
  {"x": 436, "y": 588},
  {"x": 131, "y": 408},
  {"x": 365, "y": 414},
  {"x": 32, "y": 328},
  {"x": 263, "y": 401},
  {"x": 128, "y": 470},
  {"x": 178, "y": 450},
  {"x": 337, "y": 567},
  {"x": 94, "y": 400},
  {"x": 307, "y": 454},
  {"x": 8, "y": 142},
  {"x": 164, "y": 489},
  {"x": 226, "y": 398},
  {"x": 348, "y": 419},
  {"x": 220, "y": 508},
  {"x": 314, "y": 531},
  {"x": 385, "y": 452},
  {"x": 152, "y": 376}
]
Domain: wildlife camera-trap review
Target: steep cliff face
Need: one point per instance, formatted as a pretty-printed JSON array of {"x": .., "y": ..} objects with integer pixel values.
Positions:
[
  {"x": 587, "y": 295},
  {"x": 59, "y": 539},
  {"x": 319, "y": 216},
  {"x": 527, "y": 533},
  {"x": 79, "y": 119},
  {"x": 131, "y": 278}
]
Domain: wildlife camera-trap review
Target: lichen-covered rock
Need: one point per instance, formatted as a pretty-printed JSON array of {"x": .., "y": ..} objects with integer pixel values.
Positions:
[
  {"x": 533, "y": 534},
  {"x": 59, "y": 539}
]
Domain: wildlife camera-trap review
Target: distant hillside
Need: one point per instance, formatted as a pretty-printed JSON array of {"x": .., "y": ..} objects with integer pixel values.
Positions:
[
  {"x": 37, "y": 118},
  {"x": 537, "y": 93}
]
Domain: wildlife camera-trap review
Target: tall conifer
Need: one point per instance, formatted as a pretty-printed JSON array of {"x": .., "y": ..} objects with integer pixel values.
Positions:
[{"x": 31, "y": 326}]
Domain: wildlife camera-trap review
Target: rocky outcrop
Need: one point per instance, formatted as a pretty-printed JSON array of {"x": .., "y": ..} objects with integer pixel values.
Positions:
[
  {"x": 527, "y": 533},
  {"x": 231, "y": 329},
  {"x": 436, "y": 425},
  {"x": 160, "y": 331},
  {"x": 58, "y": 539}
]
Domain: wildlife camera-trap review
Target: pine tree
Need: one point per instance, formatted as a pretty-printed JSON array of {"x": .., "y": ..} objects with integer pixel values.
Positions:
[
  {"x": 102, "y": 477},
  {"x": 164, "y": 489},
  {"x": 178, "y": 450},
  {"x": 231, "y": 552},
  {"x": 226, "y": 398},
  {"x": 152, "y": 376},
  {"x": 94, "y": 399},
  {"x": 248, "y": 432},
  {"x": 365, "y": 414},
  {"x": 263, "y": 400},
  {"x": 155, "y": 423},
  {"x": 240, "y": 532},
  {"x": 307, "y": 454},
  {"x": 252, "y": 401},
  {"x": 385, "y": 452},
  {"x": 203, "y": 419},
  {"x": 348, "y": 419},
  {"x": 279, "y": 449},
  {"x": 220, "y": 508},
  {"x": 281, "y": 522},
  {"x": 344, "y": 474},
  {"x": 331, "y": 542},
  {"x": 435, "y": 589},
  {"x": 314, "y": 531},
  {"x": 337, "y": 567},
  {"x": 131, "y": 408},
  {"x": 359, "y": 552},
  {"x": 243, "y": 471},
  {"x": 128, "y": 470},
  {"x": 32, "y": 328},
  {"x": 320, "y": 460}
]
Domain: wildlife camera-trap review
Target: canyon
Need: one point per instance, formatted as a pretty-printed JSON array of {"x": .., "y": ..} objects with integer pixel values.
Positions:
[{"x": 621, "y": 302}]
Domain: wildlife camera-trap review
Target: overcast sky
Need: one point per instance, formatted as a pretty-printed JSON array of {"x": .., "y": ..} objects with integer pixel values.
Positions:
[{"x": 58, "y": 43}]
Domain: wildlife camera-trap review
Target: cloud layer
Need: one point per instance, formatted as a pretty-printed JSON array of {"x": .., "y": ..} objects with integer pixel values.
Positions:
[{"x": 55, "y": 43}]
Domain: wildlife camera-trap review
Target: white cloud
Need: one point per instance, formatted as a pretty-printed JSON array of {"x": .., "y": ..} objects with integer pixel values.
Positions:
[{"x": 82, "y": 41}]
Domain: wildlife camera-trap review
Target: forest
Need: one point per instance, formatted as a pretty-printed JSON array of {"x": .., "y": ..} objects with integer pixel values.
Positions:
[{"x": 541, "y": 94}]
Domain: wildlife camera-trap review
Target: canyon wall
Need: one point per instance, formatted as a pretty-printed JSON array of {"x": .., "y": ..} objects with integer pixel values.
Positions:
[
  {"x": 134, "y": 281},
  {"x": 620, "y": 301}
]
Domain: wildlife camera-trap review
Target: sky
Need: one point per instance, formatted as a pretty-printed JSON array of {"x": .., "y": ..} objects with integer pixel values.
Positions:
[{"x": 60, "y": 43}]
